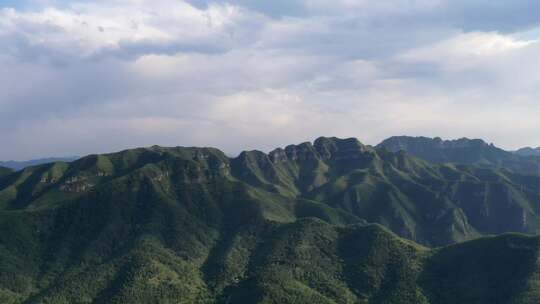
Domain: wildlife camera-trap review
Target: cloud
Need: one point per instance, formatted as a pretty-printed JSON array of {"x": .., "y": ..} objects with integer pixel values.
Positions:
[
  {"x": 89, "y": 30},
  {"x": 469, "y": 45},
  {"x": 80, "y": 77}
]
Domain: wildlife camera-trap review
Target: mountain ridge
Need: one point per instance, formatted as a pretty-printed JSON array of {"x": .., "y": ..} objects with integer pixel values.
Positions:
[
  {"x": 462, "y": 151},
  {"x": 528, "y": 151},
  {"x": 340, "y": 176}
]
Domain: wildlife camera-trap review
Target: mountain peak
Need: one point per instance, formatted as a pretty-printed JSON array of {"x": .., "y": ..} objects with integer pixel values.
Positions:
[
  {"x": 328, "y": 146},
  {"x": 350, "y": 142}
]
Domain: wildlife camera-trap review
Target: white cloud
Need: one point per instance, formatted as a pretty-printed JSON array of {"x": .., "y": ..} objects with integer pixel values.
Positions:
[
  {"x": 106, "y": 75},
  {"x": 467, "y": 47},
  {"x": 85, "y": 30}
]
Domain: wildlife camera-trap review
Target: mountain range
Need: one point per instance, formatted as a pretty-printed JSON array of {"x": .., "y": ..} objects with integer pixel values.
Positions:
[
  {"x": 19, "y": 165},
  {"x": 333, "y": 221},
  {"x": 463, "y": 151},
  {"x": 528, "y": 151}
]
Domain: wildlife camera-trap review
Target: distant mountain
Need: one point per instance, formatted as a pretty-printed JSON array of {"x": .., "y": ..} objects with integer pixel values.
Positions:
[
  {"x": 18, "y": 165},
  {"x": 191, "y": 225},
  {"x": 528, "y": 151},
  {"x": 461, "y": 151}
]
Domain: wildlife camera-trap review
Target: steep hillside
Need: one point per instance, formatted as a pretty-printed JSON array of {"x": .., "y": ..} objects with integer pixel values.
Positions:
[
  {"x": 149, "y": 255},
  {"x": 462, "y": 151}
]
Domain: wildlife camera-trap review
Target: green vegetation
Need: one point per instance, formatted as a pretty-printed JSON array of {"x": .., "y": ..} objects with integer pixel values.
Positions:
[
  {"x": 5, "y": 171},
  {"x": 190, "y": 225}
]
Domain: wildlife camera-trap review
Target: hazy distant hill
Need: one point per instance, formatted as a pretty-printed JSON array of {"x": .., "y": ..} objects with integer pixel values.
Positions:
[
  {"x": 528, "y": 151},
  {"x": 191, "y": 225},
  {"x": 18, "y": 165},
  {"x": 461, "y": 151}
]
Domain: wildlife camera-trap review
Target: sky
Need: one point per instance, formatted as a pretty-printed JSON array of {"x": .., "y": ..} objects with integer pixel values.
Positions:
[{"x": 82, "y": 77}]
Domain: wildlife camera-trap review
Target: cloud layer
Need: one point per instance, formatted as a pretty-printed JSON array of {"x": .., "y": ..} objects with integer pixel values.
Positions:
[{"x": 81, "y": 77}]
